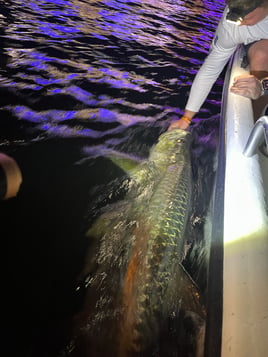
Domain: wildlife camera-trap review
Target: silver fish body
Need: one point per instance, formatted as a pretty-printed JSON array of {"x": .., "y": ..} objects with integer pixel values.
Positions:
[
  {"x": 139, "y": 282},
  {"x": 159, "y": 243}
]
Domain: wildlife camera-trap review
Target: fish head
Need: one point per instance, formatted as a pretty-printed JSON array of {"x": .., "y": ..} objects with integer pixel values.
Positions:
[{"x": 171, "y": 146}]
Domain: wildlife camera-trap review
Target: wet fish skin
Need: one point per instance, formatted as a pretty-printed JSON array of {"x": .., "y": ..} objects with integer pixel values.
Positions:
[
  {"x": 138, "y": 282},
  {"x": 153, "y": 267}
]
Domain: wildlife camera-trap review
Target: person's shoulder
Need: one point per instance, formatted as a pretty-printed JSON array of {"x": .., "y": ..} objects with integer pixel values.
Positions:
[
  {"x": 225, "y": 12},
  {"x": 226, "y": 27},
  {"x": 223, "y": 20}
]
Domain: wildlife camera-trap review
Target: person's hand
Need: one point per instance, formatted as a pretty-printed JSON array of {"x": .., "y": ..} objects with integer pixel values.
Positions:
[
  {"x": 179, "y": 124},
  {"x": 247, "y": 85}
]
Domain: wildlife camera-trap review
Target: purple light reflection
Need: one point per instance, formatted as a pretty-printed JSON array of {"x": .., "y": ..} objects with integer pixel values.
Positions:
[{"x": 56, "y": 31}]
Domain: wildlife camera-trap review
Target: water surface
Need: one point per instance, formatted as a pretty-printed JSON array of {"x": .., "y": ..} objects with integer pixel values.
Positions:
[{"x": 77, "y": 78}]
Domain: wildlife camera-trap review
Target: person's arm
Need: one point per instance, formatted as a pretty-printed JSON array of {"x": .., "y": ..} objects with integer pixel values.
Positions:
[
  {"x": 222, "y": 48},
  {"x": 247, "y": 85},
  {"x": 182, "y": 122}
]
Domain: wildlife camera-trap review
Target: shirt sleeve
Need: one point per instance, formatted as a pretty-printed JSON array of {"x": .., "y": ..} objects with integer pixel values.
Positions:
[{"x": 222, "y": 47}]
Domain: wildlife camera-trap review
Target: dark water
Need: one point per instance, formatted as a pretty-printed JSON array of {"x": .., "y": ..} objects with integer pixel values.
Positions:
[{"x": 77, "y": 77}]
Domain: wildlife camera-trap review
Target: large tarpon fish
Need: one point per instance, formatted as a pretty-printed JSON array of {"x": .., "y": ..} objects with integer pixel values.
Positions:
[{"x": 137, "y": 292}]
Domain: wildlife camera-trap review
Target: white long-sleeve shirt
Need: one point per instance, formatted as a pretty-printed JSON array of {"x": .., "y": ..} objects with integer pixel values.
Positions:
[{"x": 227, "y": 37}]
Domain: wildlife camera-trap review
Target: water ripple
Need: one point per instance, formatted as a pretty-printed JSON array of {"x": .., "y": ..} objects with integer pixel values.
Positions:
[{"x": 112, "y": 57}]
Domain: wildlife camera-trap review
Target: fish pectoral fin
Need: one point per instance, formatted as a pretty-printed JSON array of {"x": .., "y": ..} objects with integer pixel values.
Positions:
[
  {"x": 125, "y": 162},
  {"x": 191, "y": 297},
  {"x": 189, "y": 317}
]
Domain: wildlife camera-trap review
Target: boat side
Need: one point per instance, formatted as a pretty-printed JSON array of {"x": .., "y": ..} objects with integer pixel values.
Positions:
[{"x": 245, "y": 263}]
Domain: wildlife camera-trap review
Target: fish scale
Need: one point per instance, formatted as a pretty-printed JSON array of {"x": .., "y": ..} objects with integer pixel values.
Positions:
[
  {"x": 138, "y": 282},
  {"x": 171, "y": 200},
  {"x": 166, "y": 217}
]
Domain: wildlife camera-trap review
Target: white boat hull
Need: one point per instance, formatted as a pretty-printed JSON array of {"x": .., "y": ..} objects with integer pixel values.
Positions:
[{"x": 245, "y": 265}]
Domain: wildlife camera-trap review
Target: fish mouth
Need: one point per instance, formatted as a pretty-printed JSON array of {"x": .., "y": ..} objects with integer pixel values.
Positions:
[
  {"x": 173, "y": 141},
  {"x": 175, "y": 134}
]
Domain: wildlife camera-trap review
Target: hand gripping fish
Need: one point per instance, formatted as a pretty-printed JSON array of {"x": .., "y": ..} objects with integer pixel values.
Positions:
[{"x": 138, "y": 294}]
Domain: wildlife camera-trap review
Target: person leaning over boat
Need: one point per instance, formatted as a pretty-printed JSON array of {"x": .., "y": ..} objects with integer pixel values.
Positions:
[{"x": 250, "y": 29}]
